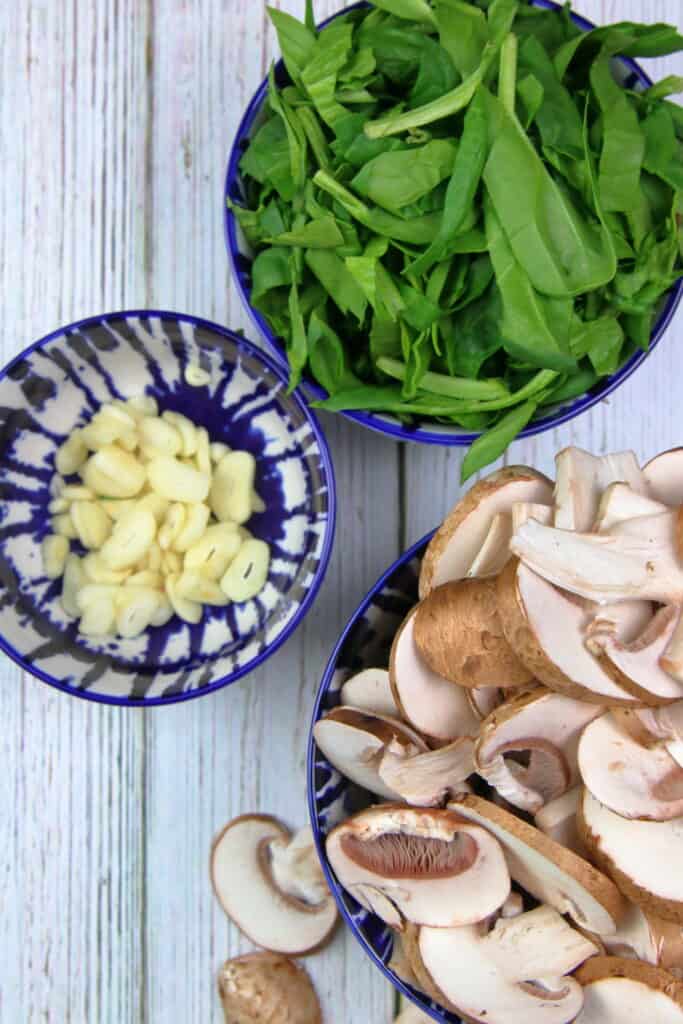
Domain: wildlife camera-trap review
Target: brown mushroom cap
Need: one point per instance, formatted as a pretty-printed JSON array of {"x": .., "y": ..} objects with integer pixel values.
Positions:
[
  {"x": 458, "y": 540},
  {"x": 620, "y": 991},
  {"x": 459, "y": 635},
  {"x": 263, "y": 987}
]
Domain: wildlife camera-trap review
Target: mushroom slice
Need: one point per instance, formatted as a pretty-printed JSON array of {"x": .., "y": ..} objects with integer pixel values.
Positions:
[
  {"x": 643, "y": 857},
  {"x": 271, "y": 885},
  {"x": 546, "y": 870},
  {"x": 546, "y": 629},
  {"x": 619, "y": 503},
  {"x": 426, "y": 780},
  {"x": 523, "y": 510},
  {"x": 581, "y": 479},
  {"x": 455, "y": 545},
  {"x": 267, "y": 987},
  {"x": 458, "y": 633},
  {"x": 637, "y": 666},
  {"x": 485, "y": 699},
  {"x": 671, "y": 660},
  {"x": 430, "y": 703},
  {"x": 495, "y": 550},
  {"x": 628, "y": 778},
  {"x": 432, "y": 866},
  {"x": 619, "y": 991},
  {"x": 626, "y": 620},
  {"x": 558, "y": 820},
  {"x": 355, "y": 742},
  {"x": 514, "y": 972},
  {"x": 527, "y": 748},
  {"x": 644, "y": 936},
  {"x": 370, "y": 690},
  {"x": 636, "y": 559},
  {"x": 664, "y": 477},
  {"x": 400, "y": 962}
]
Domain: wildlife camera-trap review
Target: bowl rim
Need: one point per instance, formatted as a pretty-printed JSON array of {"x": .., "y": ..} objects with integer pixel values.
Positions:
[
  {"x": 330, "y": 669},
  {"x": 375, "y": 421},
  {"x": 276, "y": 368}
]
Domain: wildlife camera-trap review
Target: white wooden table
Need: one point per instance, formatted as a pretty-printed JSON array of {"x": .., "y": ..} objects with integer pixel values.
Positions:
[{"x": 116, "y": 119}]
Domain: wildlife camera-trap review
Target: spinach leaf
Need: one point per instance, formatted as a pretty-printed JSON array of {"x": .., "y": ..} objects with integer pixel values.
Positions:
[
  {"x": 394, "y": 180},
  {"x": 335, "y": 278},
  {"x": 663, "y": 151},
  {"x": 297, "y": 349},
  {"x": 623, "y": 141},
  {"x": 271, "y": 269},
  {"x": 463, "y": 33},
  {"x": 319, "y": 76},
  {"x": 326, "y": 355},
  {"x": 496, "y": 439},
  {"x": 558, "y": 118},
  {"x": 451, "y": 387},
  {"x": 417, "y": 365},
  {"x": 296, "y": 138},
  {"x": 296, "y": 41},
  {"x": 267, "y": 158},
  {"x": 413, "y": 10},
  {"x": 530, "y": 93},
  {"x": 322, "y": 233},
  {"x": 573, "y": 386},
  {"x": 436, "y": 75}
]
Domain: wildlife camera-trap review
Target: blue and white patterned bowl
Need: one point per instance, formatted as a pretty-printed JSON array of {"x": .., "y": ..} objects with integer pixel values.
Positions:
[
  {"x": 56, "y": 385},
  {"x": 365, "y": 643}
]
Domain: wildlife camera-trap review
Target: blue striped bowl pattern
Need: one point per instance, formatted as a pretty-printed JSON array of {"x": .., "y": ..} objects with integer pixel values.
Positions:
[
  {"x": 56, "y": 385},
  {"x": 365, "y": 643}
]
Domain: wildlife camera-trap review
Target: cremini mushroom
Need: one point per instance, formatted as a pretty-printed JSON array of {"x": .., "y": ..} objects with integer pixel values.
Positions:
[
  {"x": 262, "y": 987},
  {"x": 643, "y": 857},
  {"x": 527, "y": 747},
  {"x": 547, "y": 870},
  {"x": 427, "y": 780},
  {"x": 459, "y": 635},
  {"x": 456, "y": 544},
  {"x": 515, "y": 971},
  {"x": 632, "y": 780},
  {"x": 671, "y": 660},
  {"x": 271, "y": 885},
  {"x": 643, "y": 936},
  {"x": 557, "y": 819},
  {"x": 355, "y": 742},
  {"x": 619, "y": 991},
  {"x": 422, "y": 866},
  {"x": 485, "y": 699},
  {"x": 638, "y": 666},
  {"x": 619, "y": 503},
  {"x": 430, "y": 703},
  {"x": 370, "y": 690},
  {"x": 664, "y": 477},
  {"x": 581, "y": 479},
  {"x": 523, "y": 510},
  {"x": 495, "y": 550},
  {"x": 545, "y": 627}
]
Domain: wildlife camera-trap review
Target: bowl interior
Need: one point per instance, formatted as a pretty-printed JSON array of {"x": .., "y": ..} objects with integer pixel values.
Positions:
[
  {"x": 631, "y": 76},
  {"x": 57, "y": 385},
  {"x": 365, "y": 643}
]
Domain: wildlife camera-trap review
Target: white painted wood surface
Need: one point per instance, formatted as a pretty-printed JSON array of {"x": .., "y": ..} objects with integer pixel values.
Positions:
[{"x": 116, "y": 118}]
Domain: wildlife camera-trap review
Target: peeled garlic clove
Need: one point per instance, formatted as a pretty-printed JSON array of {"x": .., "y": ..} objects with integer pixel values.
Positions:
[
  {"x": 63, "y": 525},
  {"x": 159, "y": 436},
  {"x": 186, "y": 429},
  {"x": 113, "y": 473},
  {"x": 146, "y": 578},
  {"x": 91, "y": 522},
  {"x": 71, "y": 455},
  {"x": 172, "y": 525},
  {"x": 212, "y": 555},
  {"x": 73, "y": 581},
  {"x": 189, "y": 611},
  {"x": 175, "y": 481},
  {"x": 164, "y": 611},
  {"x": 76, "y": 492},
  {"x": 232, "y": 487},
  {"x": 97, "y": 570},
  {"x": 258, "y": 505},
  {"x": 55, "y": 554},
  {"x": 248, "y": 572},
  {"x": 194, "y": 587},
  {"x": 96, "y": 605},
  {"x": 130, "y": 539},
  {"x": 158, "y": 506},
  {"x": 203, "y": 454},
  {"x": 142, "y": 405},
  {"x": 217, "y": 450},
  {"x": 195, "y": 376},
  {"x": 135, "y": 609},
  {"x": 196, "y": 520}
]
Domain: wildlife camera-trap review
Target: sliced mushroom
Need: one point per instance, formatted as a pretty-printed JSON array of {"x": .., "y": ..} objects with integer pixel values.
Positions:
[
  {"x": 546, "y": 629},
  {"x": 523, "y": 510},
  {"x": 271, "y": 885},
  {"x": 400, "y": 961},
  {"x": 457, "y": 542},
  {"x": 619, "y": 503},
  {"x": 495, "y": 550},
  {"x": 632, "y": 780},
  {"x": 644, "y": 936},
  {"x": 267, "y": 987},
  {"x": 355, "y": 742},
  {"x": 643, "y": 857},
  {"x": 581, "y": 479},
  {"x": 636, "y": 559},
  {"x": 430, "y": 703},
  {"x": 671, "y": 660},
  {"x": 430, "y": 866},
  {"x": 619, "y": 991},
  {"x": 370, "y": 690},
  {"x": 514, "y": 972},
  {"x": 626, "y": 620},
  {"x": 427, "y": 780},
  {"x": 546, "y": 870},
  {"x": 459, "y": 635},
  {"x": 485, "y": 699},
  {"x": 664, "y": 477},
  {"x": 558, "y": 820},
  {"x": 527, "y": 748},
  {"x": 637, "y": 666}
]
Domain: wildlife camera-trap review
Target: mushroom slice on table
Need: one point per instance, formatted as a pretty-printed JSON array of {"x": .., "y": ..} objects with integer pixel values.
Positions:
[
  {"x": 261, "y": 987},
  {"x": 630, "y": 779},
  {"x": 527, "y": 747},
  {"x": 636, "y": 559},
  {"x": 643, "y": 857},
  {"x": 546, "y": 870},
  {"x": 355, "y": 741},
  {"x": 370, "y": 690},
  {"x": 458, "y": 634},
  {"x": 271, "y": 885},
  {"x": 557, "y": 819},
  {"x": 426, "y": 780},
  {"x": 619, "y": 503},
  {"x": 644, "y": 936},
  {"x": 620, "y": 991},
  {"x": 638, "y": 666},
  {"x": 581, "y": 479},
  {"x": 546, "y": 629},
  {"x": 495, "y": 550},
  {"x": 664, "y": 477},
  {"x": 456, "y": 543},
  {"x": 516, "y": 971},
  {"x": 433, "y": 705},
  {"x": 422, "y": 866}
]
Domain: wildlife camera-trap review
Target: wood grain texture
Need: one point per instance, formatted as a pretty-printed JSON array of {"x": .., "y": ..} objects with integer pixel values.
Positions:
[{"x": 115, "y": 121}]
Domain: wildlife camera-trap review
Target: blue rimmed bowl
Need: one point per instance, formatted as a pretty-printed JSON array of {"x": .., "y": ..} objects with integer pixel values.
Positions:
[
  {"x": 56, "y": 385},
  {"x": 364, "y": 643},
  {"x": 426, "y": 431}
]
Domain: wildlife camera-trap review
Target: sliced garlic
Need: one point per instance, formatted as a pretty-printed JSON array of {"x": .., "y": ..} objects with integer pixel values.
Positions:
[
  {"x": 248, "y": 572},
  {"x": 130, "y": 539},
  {"x": 212, "y": 555}
]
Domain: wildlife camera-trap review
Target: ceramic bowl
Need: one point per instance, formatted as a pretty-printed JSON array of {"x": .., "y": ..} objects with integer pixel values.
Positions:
[
  {"x": 425, "y": 431},
  {"x": 56, "y": 385}
]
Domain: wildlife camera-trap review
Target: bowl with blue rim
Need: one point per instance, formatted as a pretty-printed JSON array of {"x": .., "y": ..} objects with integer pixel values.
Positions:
[
  {"x": 55, "y": 386},
  {"x": 417, "y": 427}
]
